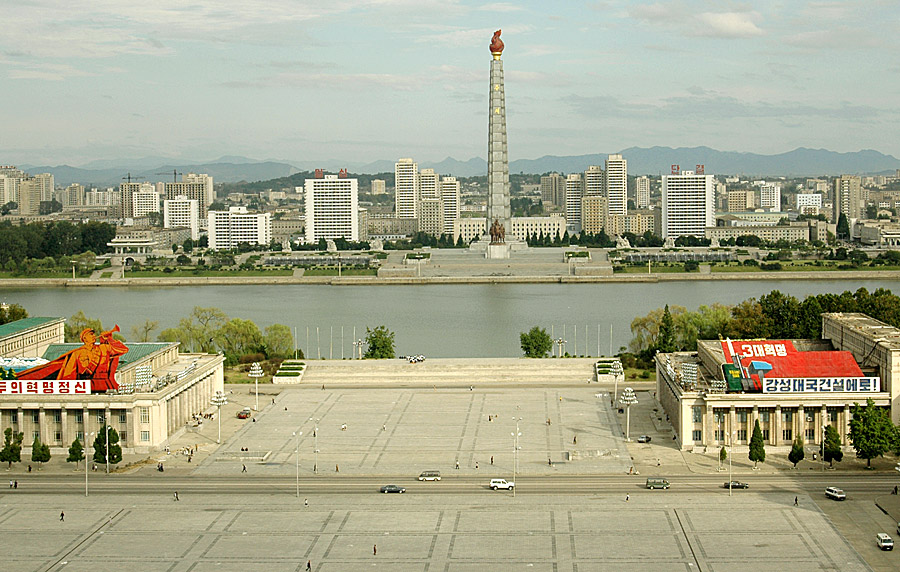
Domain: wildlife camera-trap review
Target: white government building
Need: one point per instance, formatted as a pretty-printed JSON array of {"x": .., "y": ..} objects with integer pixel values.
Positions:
[
  {"x": 228, "y": 229},
  {"x": 332, "y": 208}
]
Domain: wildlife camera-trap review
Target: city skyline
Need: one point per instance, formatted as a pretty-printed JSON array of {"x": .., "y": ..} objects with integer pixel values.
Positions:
[{"x": 371, "y": 80}]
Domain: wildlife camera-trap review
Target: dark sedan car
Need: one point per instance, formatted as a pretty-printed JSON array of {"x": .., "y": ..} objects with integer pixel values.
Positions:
[
  {"x": 392, "y": 489},
  {"x": 736, "y": 485}
]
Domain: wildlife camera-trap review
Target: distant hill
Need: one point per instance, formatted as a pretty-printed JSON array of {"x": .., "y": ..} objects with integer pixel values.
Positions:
[{"x": 641, "y": 161}]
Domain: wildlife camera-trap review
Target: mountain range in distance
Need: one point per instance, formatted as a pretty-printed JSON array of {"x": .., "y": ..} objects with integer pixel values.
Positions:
[{"x": 641, "y": 161}]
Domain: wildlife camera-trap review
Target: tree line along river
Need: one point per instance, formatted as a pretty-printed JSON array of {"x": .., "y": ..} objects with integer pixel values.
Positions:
[{"x": 476, "y": 320}]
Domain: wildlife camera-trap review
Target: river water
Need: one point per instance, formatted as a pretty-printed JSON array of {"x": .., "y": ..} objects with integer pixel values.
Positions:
[{"x": 482, "y": 320}]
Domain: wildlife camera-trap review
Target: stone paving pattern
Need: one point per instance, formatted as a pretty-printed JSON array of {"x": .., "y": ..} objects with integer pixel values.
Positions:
[{"x": 451, "y": 533}]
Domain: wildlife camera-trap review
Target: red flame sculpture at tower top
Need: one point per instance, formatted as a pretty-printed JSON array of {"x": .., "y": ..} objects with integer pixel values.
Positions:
[{"x": 496, "y": 43}]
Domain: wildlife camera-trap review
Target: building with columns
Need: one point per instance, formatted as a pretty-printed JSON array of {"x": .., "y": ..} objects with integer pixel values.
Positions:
[
  {"x": 707, "y": 411},
  {"x": 160, "y": 389}
]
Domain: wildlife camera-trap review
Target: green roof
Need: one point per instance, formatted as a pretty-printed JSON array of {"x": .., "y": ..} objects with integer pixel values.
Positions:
[
  {"x": 136, "y": 351},
  {"x": 12, "y": 328}
]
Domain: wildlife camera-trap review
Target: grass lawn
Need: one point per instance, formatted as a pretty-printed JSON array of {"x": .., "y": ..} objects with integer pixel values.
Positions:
[
  {"x": 178, "y": 273},
  {"x": 48, "y": 274},
  {"x": 344, "y": 272}
]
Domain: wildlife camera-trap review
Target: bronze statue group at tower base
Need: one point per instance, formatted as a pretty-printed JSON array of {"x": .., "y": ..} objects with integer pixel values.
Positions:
[{"x": 498, "y": 233}]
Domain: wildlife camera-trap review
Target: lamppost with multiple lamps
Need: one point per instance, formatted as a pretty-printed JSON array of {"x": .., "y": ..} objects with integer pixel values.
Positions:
[
  {"x": 628, "y": 399},
  {"x": 219, "y": 399},
  {"x": 107, "y": 446},
  {"x": 516, "y": 436},
  {"x": 559, "y": 343},
  {"x": 256, "y": 372},
  {"x": 730, "y": 455},
  {"x": 616, "y": 370},
  {"x": 316, "y": 445},
  {"x": 357, "y": 345},
  {"x": 86, "y": 439}
]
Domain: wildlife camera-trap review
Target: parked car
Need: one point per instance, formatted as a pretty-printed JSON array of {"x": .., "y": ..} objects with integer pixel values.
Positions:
[
  {"x": 884, "y": 542},
  {"x": 502, "y": 484},
  {"x": 835, "y": 493},
  {"x": 643, "y": 439},
  {"x": 244, "y": 413},
  {"x": 430, "y": 476},
  {"x": 736, "y": 485},
  {"x": 653, "y": 483},
  {"x": 392, "y": 489}
]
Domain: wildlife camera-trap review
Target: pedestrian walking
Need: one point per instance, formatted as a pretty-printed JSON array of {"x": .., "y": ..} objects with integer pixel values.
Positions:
[
  {"x": 657, "y": 462},
  {"x": 176, "y": 496},
  {"x": 492, "y": 459},
  {"x": 306, "y": 503},
  {"x": 476, "y": 464},
  {"x": 575, "y": 440},
  {"x": 374, "y": 550},
  {"x": 796, "y": 501},
  {"x": 384, "y": 427},
  {"x": 15, "y": 484},
  {"x": 337, "y": 469},
  {"x": 549, "y": 461},
  {"x": 457, "y": 468},
  {"x": 10, "y": 481},
  {"x": 308, "y": 565},
  {"x": 243, "y": 468},
  {"x": 62, "y": 516},
  {"x": 627, "y": 496}
]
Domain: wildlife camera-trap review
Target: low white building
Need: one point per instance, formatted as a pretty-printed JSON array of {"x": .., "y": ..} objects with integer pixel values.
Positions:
[{"x": 228, "y": 229}]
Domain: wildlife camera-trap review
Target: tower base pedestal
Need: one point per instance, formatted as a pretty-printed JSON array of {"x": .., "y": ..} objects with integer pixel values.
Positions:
[{"x": 497, "y": 252}]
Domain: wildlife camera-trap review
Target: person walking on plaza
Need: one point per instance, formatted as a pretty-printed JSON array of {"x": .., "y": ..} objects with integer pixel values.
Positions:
[
  {"x": 62, "y": 516},
  {"x": 575, "y": 440},
  {"x": 308, "y": 565},
  {"x": 457, "y": 468},
  {"x": 306, "y": 503},
  {"x": 374, "y": 550},
  {"x": 627, "y": 496},
  {"x": 476, "y": 464},
  {"x": 492, "y": 459},
  {"x": 243, "y": 468},
  {"x": 796, "y": 501},
  {"x": 176, "y": 496},
  {"x": 15, "y": 484}
]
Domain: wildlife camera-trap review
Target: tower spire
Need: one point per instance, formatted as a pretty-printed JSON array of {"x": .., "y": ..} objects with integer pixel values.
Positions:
[{"x": 498, "y": 159}]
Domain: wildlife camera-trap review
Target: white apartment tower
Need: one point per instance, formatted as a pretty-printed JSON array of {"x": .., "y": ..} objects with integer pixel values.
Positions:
[
  {"x": 145, "y": 200},
  {"x": 406, "y": 187},
  {"x": 378, "y": 187},
  {"x": 428, "y": 184},
  {"x": 182, "y": 212},
  {"x": 688, "y": 204},
  {"x": 617, "y": 185},
  {"x": 847, "y": 197},
  {"x": 228, "y": 229},
  {"x": 450, "y": 201},
  {"x": 809, "y": 203},
  {"x": 642, "y": 192},
  {"x": 593, "y": 181},
  {"x": 770, "y": 196},
  {"x": 574, "y": 192},
  {"x": 332, "y": 208},
  {"x": 193, "y": 186}
]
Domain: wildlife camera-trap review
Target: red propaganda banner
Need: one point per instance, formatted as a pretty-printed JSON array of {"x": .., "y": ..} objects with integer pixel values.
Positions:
[{"x": 45, "y": 387}]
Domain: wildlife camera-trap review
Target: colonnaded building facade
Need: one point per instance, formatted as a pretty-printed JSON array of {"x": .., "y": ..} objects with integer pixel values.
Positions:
[
  {"x": 714, "y": 396},
  {"x": 159, "y": 391}
]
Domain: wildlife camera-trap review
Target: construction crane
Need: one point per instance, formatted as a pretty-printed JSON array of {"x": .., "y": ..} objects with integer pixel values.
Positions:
[
  {"x": 128, "y": 177},
  {"x": 175, "y": 174}
]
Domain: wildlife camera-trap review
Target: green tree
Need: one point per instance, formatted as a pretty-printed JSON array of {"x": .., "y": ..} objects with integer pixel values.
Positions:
[
  {"x": 832, "y": 447},
  {"x": 78, "y": 323},
  {"x": 757, "y": 446},
  {"x": 76, "y": 452},
  {"x": 12, "y": 447},
  {"x": 40, "y": 452},
  {"x": 115, "y": 450},
  {"x": 198, "y": 331},
  {"x": 797, "y": 453},
  {"x": 12, "y": 313},
  {"x": 843, "y": 227},
  {"x": 871, "y": 431},
  {"x": 665, "y": 341},
  {"x": 536, "y": 343},
  {"x": 278, "y": 340},
  {"x": 380, "y": 343},
  {"x": 723, "y": 455},
  {"x": 239, "y": 337}
]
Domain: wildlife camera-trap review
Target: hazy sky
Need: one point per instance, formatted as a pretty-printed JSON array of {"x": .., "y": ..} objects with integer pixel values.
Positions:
[{"x": 360, "y": 80}]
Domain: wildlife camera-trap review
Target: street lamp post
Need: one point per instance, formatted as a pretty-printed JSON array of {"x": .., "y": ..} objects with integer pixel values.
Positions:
[
  {"x": 107, "y": 446},
  {"x": 298, "y": 434},
  {"x": 87, "y": 437},
  {"x": 219, "y": 399},
  {"x": 316, "y": 445},
  {"x": 730, "y": 455},
  {"x": 357, "y": 345},
  {"x": 256, "y": 372},
  {"x": 559, "y": 343},
  {"x": 616, "y": 371},
  {"x": 823, "y": 448},
  {"x": 516, "y": 436},
  {"x": 628, "y": 399}
]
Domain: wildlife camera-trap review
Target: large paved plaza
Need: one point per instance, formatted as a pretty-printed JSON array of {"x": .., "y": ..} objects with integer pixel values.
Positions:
[{"x": 451, "y": 533}]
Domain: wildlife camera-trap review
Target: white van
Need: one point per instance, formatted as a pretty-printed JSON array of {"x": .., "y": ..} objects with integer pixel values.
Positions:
[{"x": 883, "y": 541}]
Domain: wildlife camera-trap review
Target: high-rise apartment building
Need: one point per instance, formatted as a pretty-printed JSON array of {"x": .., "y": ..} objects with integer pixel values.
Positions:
[
  {"x": 847, "y": 197},
  {"x": 9, "y": 189},
  {"x": 193, "y": 186},
  {"x": 378, "y": 187},
  {"x": 182, "y": 212},
  {"x": 332, "y": 208},
  {"x": 593, "y": 181},
  {"x": 688, "y": 204},
  {"x": 406, "y": 188},
  {"x": 617, "y": 185},
  {"x": 553, "y": 190},
  {"x": 428, "y": 184},
  {"x": 809, "y": 203},
  {"x": 126, "y": 196},
  {"x": 73, "y": 196},
  {"x": 770, "y": 196},
  {"x": 593, "y": 213},
  {"x": 431, "y": 217},
  {"x": 29, "y": 192},
  {"x": 574, "y": 192},
  {"x": 450, "y": 200},
  {"x": 145, "y": 201},
  {"x": 741, "y": 200},
  {"x": 45, "y": 181},
  {"x": 228, "y": 229},
  {"x": 642, "y": 192}
]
